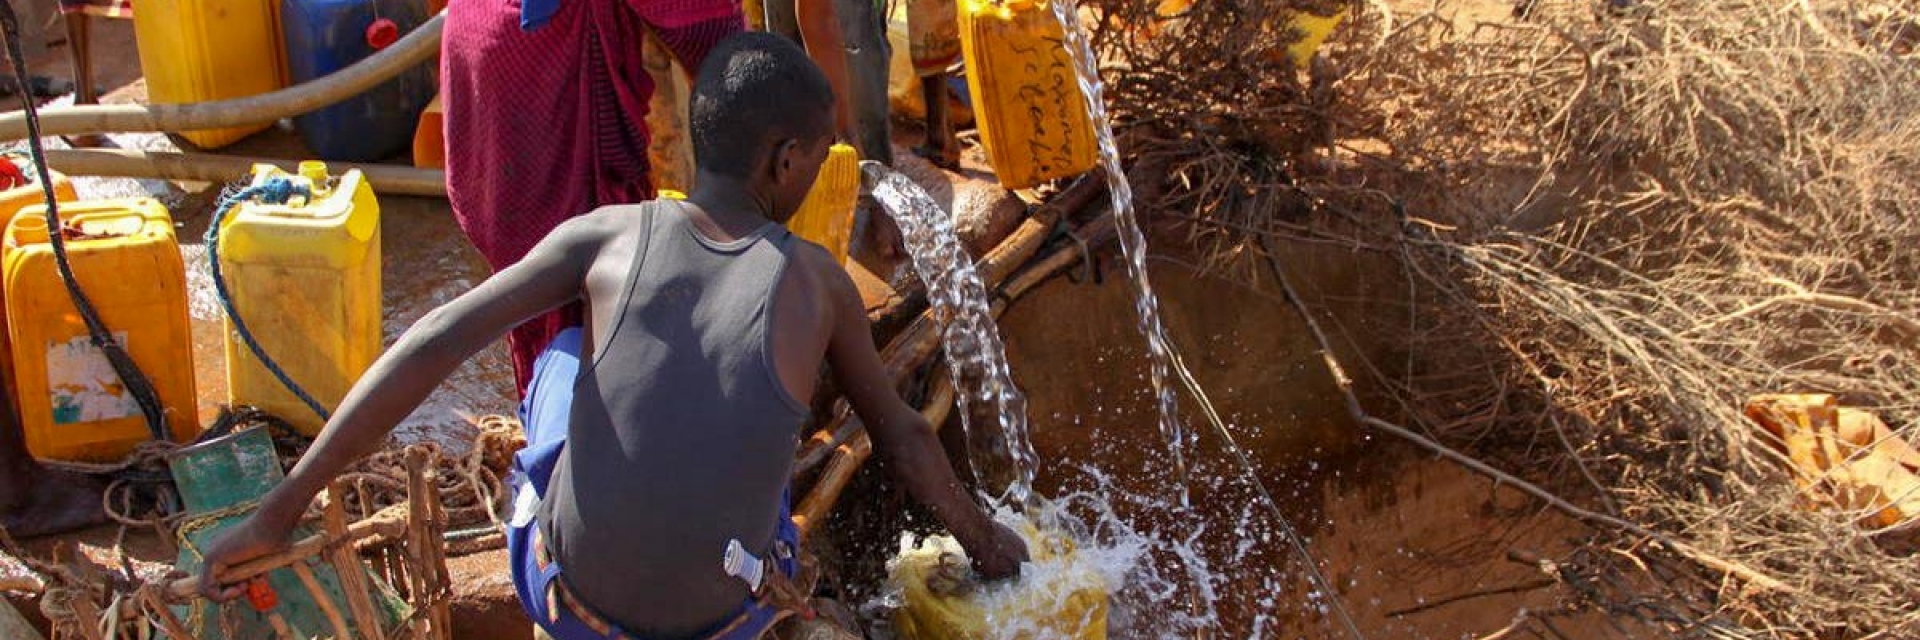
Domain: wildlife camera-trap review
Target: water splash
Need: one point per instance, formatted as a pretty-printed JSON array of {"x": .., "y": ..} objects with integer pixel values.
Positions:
[
  {"x": 1133, "y": 247},
  {"x": 1144, "y": 603},
  {"x": 975, "y": 353},
  {"x": 1108, "y": 551}
]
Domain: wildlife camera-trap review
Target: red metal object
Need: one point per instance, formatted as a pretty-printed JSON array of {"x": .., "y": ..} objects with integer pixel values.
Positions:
[
  {"x": 260, "y": 595},
  {"x": 10, "y": 175},
  {"x": 382, "y": 33}
]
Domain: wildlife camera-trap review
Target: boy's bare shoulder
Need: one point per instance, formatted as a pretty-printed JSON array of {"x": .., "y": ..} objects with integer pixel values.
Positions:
[
  {"x": 611, "y": 220},
  {"x": 829, "y": 279}
]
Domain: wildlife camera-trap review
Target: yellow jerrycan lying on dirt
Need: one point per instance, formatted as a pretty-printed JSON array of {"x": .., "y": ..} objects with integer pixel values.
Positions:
[
  {"x": 1026, "y": 98},
  {"x": 1058, "y": 596}
]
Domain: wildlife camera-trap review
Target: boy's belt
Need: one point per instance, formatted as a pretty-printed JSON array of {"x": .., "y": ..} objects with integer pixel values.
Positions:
[{"x": 784, "y": 595}]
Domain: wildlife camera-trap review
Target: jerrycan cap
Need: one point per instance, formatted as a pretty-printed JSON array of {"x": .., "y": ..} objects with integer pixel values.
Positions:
[
  {"x": 382, "y": 33},
  {"x": 314, "y": 171}
]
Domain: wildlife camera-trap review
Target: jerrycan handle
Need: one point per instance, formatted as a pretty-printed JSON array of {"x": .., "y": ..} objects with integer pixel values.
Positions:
[{"x": 105, "y": 224}]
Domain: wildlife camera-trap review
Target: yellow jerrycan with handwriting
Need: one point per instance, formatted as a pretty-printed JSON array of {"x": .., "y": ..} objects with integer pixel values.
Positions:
[
  {"x": 1026, "y": 97},
  {"x": 305, "y": 277},
  {"x": 204, "y": 50},
  {"x": 826, "y": 215},
  {"x": 1058, "y": 596},
  {"x": 73, "y": 406}
]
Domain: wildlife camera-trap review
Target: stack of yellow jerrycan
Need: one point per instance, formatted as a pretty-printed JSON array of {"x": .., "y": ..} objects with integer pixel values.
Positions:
[
  {"x": 73, "y": 406},
  {"x": 305, "y": 278},
  {"x": 203, "y": 50},
  {"x": 825, "y": 217},
  {"x": 1058, "y": 596},
  {"x": 1026, "y": 97}
]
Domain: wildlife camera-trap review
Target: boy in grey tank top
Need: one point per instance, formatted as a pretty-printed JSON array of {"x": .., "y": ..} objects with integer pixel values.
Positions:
[{"x": 661, "y": 435}]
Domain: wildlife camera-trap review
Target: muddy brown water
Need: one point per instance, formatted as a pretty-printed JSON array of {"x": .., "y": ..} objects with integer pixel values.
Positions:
[{"x": 1415, "y": 547}]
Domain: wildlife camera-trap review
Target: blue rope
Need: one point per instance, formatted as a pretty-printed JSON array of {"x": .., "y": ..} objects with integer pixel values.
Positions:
[{"x": 274, "y": 190}]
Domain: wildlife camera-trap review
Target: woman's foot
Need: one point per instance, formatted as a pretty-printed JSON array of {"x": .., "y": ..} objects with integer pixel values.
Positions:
[{"x": 53, "y": 501}]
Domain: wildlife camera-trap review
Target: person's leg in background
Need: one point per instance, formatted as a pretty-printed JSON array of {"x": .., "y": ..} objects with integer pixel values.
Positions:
[
  {"x": 863, "y": 29},
  {"x": 33, "y": 43},
  {"x": 80, "y": 49},
  {"x": 933, "y": 41},
  {"x": 780, "y": 19},
  {"x": 821, "y": 35}
]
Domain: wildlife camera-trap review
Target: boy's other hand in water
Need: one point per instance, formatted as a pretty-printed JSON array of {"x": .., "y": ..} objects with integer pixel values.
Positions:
[{"x": 1000, "y": 555}]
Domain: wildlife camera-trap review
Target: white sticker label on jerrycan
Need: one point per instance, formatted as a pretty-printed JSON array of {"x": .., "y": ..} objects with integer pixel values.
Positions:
[{"x": 84, "y": 386}]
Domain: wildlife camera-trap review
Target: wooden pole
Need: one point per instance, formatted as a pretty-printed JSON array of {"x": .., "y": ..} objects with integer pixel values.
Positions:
[
  {"x": 418, "y": 47},
  {"x": 385, "y": 179},
  {"x": 441, "y": 605},
  {"x": 418, "y": 513},
  {"x": 320, "y": 599},
  {"x": 154, "y": 605},
  {"x": 346, "y": 565},
  {"x": 87, "y": 615}
]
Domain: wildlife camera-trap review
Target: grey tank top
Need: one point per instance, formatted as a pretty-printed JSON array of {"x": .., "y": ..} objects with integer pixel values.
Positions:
[{"x": 682, "y": 436}]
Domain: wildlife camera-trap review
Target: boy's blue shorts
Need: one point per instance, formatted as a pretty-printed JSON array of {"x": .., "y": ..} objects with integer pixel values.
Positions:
[{"x": 544, "y": 413}]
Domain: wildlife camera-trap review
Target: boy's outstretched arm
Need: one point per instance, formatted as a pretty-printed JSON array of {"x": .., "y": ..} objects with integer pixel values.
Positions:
[
  {"x": 552, "y": 274},
  {"x": 906, "y": 442}
]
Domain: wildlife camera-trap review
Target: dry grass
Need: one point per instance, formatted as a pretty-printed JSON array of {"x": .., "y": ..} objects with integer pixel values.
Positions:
[{"x": 1622, "y": 223}]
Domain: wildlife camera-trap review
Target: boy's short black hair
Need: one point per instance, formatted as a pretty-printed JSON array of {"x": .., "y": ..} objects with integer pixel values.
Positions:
[{"x": 753, "y": 90}]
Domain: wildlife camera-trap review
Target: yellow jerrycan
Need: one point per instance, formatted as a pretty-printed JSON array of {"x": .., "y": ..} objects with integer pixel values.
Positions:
[
  {"x": 305, "y": 278},
  {"x": 825, "y": 217},
  {"x": 1026, "y": 98},
  {"x": 72, "y": 404},
  {"x": 11, "y": 202},
  {"x": 201, "y": 50},
  {"x": 430, "y": 137},
  {"x": 23, "y": 196},
  {"x": 1058, "y": 596}
]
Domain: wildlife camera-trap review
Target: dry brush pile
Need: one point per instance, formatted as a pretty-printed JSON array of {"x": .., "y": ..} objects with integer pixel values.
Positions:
[{"x": 1622, "y": 220}]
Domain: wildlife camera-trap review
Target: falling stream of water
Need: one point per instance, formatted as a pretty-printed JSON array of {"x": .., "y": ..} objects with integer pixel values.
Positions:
[
  {"x": 974, "y": 349},
  {"x": 975, "y": 354},
  {"x": 1133, "y": 247}
]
